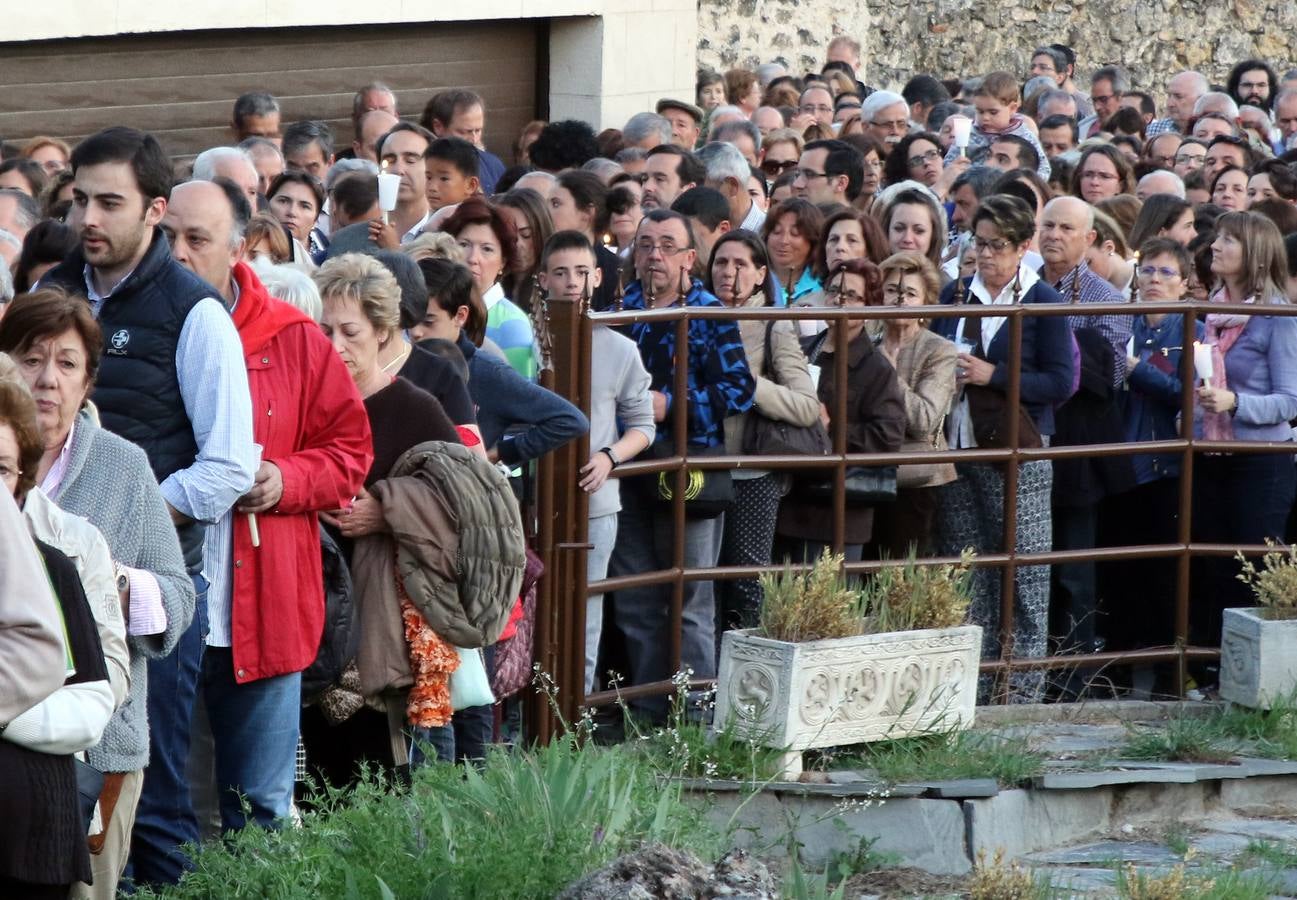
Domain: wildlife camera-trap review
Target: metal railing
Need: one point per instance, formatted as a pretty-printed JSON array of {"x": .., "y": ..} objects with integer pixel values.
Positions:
[{"x": 563, "y": 507}]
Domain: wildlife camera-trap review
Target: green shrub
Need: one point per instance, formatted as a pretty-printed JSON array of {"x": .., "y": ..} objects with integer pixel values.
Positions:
[{"x": 527, "y": 825}]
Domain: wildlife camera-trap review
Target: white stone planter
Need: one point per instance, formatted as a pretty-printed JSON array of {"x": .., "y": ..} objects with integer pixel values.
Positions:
[
  {"x": 1258, "y": 657},
  {"x": 847, "y": 690}
]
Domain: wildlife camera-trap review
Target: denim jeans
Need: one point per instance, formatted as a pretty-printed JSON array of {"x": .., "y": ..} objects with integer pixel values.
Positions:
[
  {"x": 602, "y": 537},
  {"x": 439, "y": 741},
  {"x": 254, "y": 732},
  {"x": 475, "y": 725},
  {"x": 644, "y": 532},
  {"x": 165, "y": 819}
]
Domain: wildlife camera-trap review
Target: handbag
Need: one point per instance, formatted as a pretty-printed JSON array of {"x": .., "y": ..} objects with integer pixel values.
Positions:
[
  {"x": 514, "y": 656},
  {"x": 989, "y": 410},
  {"x": 708, "y": 492},
  {"x": 765, "y": 436},
  {"x": 865, "y": 486},
  {"x": 469, "y": 685},
  {"x": 90, "y": 784}
]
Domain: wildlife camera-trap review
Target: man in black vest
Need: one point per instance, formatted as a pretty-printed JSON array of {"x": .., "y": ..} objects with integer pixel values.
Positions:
[{"x": 173, "y": 381}]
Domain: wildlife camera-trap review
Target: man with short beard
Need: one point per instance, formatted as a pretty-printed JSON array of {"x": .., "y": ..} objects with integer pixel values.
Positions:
[{"x": 173, "y": 381}]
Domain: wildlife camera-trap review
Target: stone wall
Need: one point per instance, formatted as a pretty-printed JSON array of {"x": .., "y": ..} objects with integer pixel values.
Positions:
[{"x": 1152, "y": 38}]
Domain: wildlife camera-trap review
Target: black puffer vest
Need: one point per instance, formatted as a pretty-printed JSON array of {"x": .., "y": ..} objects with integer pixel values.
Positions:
[{"x": 138, "y": 389}]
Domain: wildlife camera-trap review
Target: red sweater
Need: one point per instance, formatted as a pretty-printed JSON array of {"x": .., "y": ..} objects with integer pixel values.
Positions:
[{"x": 310, "y": 421}]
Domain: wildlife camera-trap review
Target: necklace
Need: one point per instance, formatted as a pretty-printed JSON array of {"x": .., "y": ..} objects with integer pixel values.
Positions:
[{"x": 399, "y": 359}]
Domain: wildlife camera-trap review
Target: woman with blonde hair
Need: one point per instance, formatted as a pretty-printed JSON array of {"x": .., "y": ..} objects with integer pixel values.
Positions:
[{"x": 925, "y": 371}]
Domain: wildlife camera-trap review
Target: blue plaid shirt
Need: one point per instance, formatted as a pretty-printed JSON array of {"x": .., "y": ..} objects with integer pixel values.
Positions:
[{"x": 720, "y": 383}]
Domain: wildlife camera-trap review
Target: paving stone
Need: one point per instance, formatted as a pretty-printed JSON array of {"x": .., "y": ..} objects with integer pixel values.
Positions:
[
  {"x": 1258, "y": 829},
  {"x": 1087, "y": 880},
  {"x": 1255, "y": 766},
  {"x": 963, "y": 788},
  {"x": 1106, "y": 853},
  {"x": 1199, "y": 771},
  {"x": 1073, "y": 781},
  {"x": 1219, "y": 844}
]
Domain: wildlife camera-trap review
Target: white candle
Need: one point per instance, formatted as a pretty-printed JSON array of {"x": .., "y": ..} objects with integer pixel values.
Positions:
[
  {"x": 1202, "y": 366},
  {"x": 961, "y": 127}
]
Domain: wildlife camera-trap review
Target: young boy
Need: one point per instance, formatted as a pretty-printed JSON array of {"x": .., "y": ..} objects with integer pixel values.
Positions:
[
  {"x": 619, "y": 396},
  {"x": 996, "y": 101},
  {"x": 453, "y": 167}
]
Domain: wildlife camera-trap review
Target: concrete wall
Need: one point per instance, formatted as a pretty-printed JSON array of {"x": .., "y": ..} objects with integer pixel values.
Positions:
[{"x": 609, "y": 58}]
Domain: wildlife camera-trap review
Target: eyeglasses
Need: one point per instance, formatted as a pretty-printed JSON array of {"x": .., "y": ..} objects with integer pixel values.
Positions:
[
  {"x": 808, "y": 174},
  {"x": 812, "y": 109},
  {"x": 777, "y": 167},
  {"x": 1102, "y": 99},
  {"x": 1182, "y": 158},
  {"x": 1166, "y": 273},
  {"x": 920, "y": 158},
  {"x": 895, "y": 292},
  {"x": 895, "y": 125},
  {"x": 841, "y": 297},
  {"x": 666, "y": 248},
  {"x": 1096, "y": 175},
  {"x": 995, "y": 245}
]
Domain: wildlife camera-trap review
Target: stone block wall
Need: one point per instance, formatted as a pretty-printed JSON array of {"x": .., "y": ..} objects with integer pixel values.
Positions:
[{"x": 1152, "y": 38}]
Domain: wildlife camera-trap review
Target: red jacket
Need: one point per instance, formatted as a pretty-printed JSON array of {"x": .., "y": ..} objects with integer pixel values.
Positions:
[{"x": 311, "y": 423}]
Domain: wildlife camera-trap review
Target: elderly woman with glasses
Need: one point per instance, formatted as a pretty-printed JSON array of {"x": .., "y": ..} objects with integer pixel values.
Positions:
[
  {"x": 925, "y": 372},
  {"x": 971, "y": 512},
  {"x": 92, "y": 473},
  {"x": 1138, "y": 593},
  {"x": 875, "y": 416}
]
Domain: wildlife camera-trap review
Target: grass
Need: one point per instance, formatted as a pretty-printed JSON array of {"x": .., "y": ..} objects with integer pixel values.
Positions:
[
  {"x": 1176, "y": 838},
  {"x": 1271, "y": 853},
  {"x": 996, "y": 881},
  {"x": 948, "y": 756},
  {"x": 525, "y": 826},
  {"x": 1183, "y": 883},
  {"x": 1221, "y": 735},
  {"x": 1184, "y": 738}
]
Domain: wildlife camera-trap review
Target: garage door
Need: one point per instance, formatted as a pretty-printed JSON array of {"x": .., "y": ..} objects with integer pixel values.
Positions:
[{"x": 181, "y": 86}]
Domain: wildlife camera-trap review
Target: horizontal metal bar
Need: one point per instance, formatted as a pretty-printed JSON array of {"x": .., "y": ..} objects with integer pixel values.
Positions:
[
  {"x": 987, "y": 560},
  {"x": 932, "y": 311}
]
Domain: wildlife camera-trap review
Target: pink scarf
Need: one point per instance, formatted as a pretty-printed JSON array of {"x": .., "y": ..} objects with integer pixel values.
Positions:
[{"x": 1222, "y": 331}]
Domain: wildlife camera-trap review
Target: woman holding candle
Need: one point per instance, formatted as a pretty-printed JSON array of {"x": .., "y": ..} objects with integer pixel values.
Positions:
[{"x": 1249, "y": 394}]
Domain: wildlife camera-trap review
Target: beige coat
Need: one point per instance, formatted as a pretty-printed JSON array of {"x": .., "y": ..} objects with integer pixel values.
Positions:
[
  {"x": 788, "y": 395},
  {"x": 925, "y": 370},
  {"x": 33, "y": 659}
]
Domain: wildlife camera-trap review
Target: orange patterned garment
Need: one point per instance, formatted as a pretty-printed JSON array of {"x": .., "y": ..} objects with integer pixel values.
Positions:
[{"x": 431, "y": 660}]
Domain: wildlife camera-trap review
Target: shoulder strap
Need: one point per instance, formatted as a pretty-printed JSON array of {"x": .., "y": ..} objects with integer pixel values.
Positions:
[{"x": 767, "y": 368}]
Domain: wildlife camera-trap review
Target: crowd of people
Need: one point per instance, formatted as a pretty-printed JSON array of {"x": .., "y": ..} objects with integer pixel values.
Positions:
[{"x": 266, "y": 414}]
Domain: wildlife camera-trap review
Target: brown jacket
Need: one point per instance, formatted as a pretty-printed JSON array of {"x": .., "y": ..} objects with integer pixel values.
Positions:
[
  {"x": 875, "y": 424},
  {"x": 459, "y": 554}
]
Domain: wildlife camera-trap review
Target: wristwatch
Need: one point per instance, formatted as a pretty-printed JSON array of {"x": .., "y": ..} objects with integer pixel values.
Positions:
[
  {"x": 123, "y": 580},
  {"x": 607, "y": 451}
]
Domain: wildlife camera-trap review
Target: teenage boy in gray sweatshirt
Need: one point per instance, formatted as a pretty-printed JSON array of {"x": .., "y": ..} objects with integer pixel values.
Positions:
[{"x": 621, "y": 415}]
